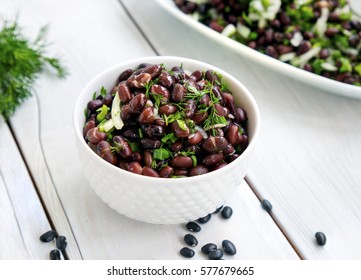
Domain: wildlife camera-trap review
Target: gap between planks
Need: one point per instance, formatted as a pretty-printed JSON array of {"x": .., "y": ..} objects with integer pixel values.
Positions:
[
  {"x": 138, "y": 27},
  {"x": 275, "y": 219},
  {"x": 47, "y": 214}
]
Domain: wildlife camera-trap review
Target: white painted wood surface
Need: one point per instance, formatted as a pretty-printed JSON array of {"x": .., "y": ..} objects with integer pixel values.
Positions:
[
  {"x": 22, "y": 217},
  {"x": 90, "y": 36},
  {"x": 308, "y": 159}
]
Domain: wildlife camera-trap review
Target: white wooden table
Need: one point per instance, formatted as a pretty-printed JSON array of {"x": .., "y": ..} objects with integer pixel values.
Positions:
[{"x": 307, "y": 162}]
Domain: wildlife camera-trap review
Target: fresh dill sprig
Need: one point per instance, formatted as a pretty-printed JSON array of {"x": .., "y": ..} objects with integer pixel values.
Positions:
[{"x": 21, "y": 61}]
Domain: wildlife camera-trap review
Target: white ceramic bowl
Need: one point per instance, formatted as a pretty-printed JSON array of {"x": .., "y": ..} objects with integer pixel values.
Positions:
[{"x": 163, "y": 200}]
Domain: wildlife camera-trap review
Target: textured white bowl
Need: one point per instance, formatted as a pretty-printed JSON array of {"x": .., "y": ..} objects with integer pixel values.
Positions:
[{"x": 163, "y": 200}]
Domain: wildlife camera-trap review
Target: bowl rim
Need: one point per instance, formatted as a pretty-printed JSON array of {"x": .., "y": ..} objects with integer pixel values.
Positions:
[{"x": 158, "y": 59}]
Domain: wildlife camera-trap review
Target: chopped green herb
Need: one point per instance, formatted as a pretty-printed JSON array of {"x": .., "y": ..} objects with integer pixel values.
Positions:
[
  {"x": 162, "y": 154},
  {"x": 169, "y": 137},
  {"x": 186, "y": 153},
  {"x": 173, "y": 117},
  {"x": 158, "y": 98},
  {"x": 21, "y": 62},
  {"x": 182, "y": 124},
  {"x": 194, "y": 160},
  {"x": 134, "y": 146},
  {"x": 103, "y": 92},
  {"x": 345, "y": 65},
  {"x": 154, "y": 164},
  {"x": 358, "y": 69},
  {"x": 140, "y": 133}
]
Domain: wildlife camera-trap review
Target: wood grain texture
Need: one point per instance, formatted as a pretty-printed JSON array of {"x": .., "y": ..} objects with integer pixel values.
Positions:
[
  {"x": 22, "y": 216},
  {"x": 89, "y": 42},
  {"x": 308, "y": 158}
]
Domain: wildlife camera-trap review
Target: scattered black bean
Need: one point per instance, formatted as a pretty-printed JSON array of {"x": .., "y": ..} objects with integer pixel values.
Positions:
[
  {"x": 205, "y": 219},
  {"x": 320, "y": 238},
  {"x": 216, "y": 254},
  {"x": 266, "y": 205},
  {"x": 206, "y": 249},
  {"x": 228, "y": 247},
  {"x": 191, "y": 240},
  {"x": 187, "y": 252},
  {"x": 218, "y": 210},
  {"x": 226, "y": 212},
  {"x": 193, "y": 227},
  {"x": 61, "y": 242},
  {"x": 54, "y": 254},
  {"x": 48, "y": 236}
]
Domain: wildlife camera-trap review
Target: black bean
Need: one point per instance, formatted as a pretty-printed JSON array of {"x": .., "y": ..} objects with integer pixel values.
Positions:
[
  {"x": 154, "y": 131},
  {"x": 304, "y": 47},
  {"x": 147, "y": 116},
  {"x": 160, "y": 91},
  {"x": 153, "y": 70},
  {"x": 124, "y": 93},
  {"x": 193, "y": 227},
  {"x": 178, "y": 92},
  {"x": 205, "y": 219},
  {"x": 166, "y": 172},
  {"x": 214, "y": 144},
  {"x": 191, "y": 240},
  {"x": 206, "y": 249},
  {"x": 48, "y": 236},
  {"x": 226, "y": 212},
  {"x": 54, "y": 254},
  {"x": 181, "y": 162},
  {"x": 131, "y": 134},
  {"x": 285, "y": 19},
  {"x": 165, "y": 79},
  {"x": 137, "y": 103},
  {"x": 181, "y": 172},
  {"x": 216, "y": 254},
  {"x": 320, "y": 238},
  {"x": 123, "y": 147},
  {"x": 180, "y": 132},
  {"x": 94, "y": 104},
  {"x": 331, "y": 31},
  {"x": 88, "y": 126},
  {"x": 137, "y": 157},
  {"x": 212, "y": 76},
  {"x": 213, "y": 159},
  {"x": 187, "y": 252},
  {"x": 167, "y": 109},
  {"x": 147, "y": 171},
  {"x": 125, "y": 75},
  {"x": 324, "y": 53},
  {"x": 271, "y": 51},
  {"x": 61, "y": 242},
  {"x": 135, "y": 167},
  {"x": 228, "y": 247},
  {"x": 94, "y": 136},
  {"x": 266, "y": 205},
  {"x": 150, "y": 143},
  {"x": 218, "y": 210}
]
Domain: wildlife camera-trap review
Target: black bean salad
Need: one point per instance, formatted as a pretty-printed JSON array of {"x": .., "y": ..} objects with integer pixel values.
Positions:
[
  {"x": 166, "y": 123},
  {"x": 319, "y": 36}
]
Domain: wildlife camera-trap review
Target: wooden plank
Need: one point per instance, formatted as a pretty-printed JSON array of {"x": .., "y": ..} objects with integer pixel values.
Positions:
[
  {"x": 38, "y": 136},
  {"x": 89, "y": 46},
  {"x": 308, "y": 156},
  {"x": 22, "y": 216}
]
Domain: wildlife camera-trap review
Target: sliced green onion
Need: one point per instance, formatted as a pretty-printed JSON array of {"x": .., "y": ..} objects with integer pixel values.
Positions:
[
  {"x": 103, "y": 113},
  {"x": 115, "y": 112}
]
